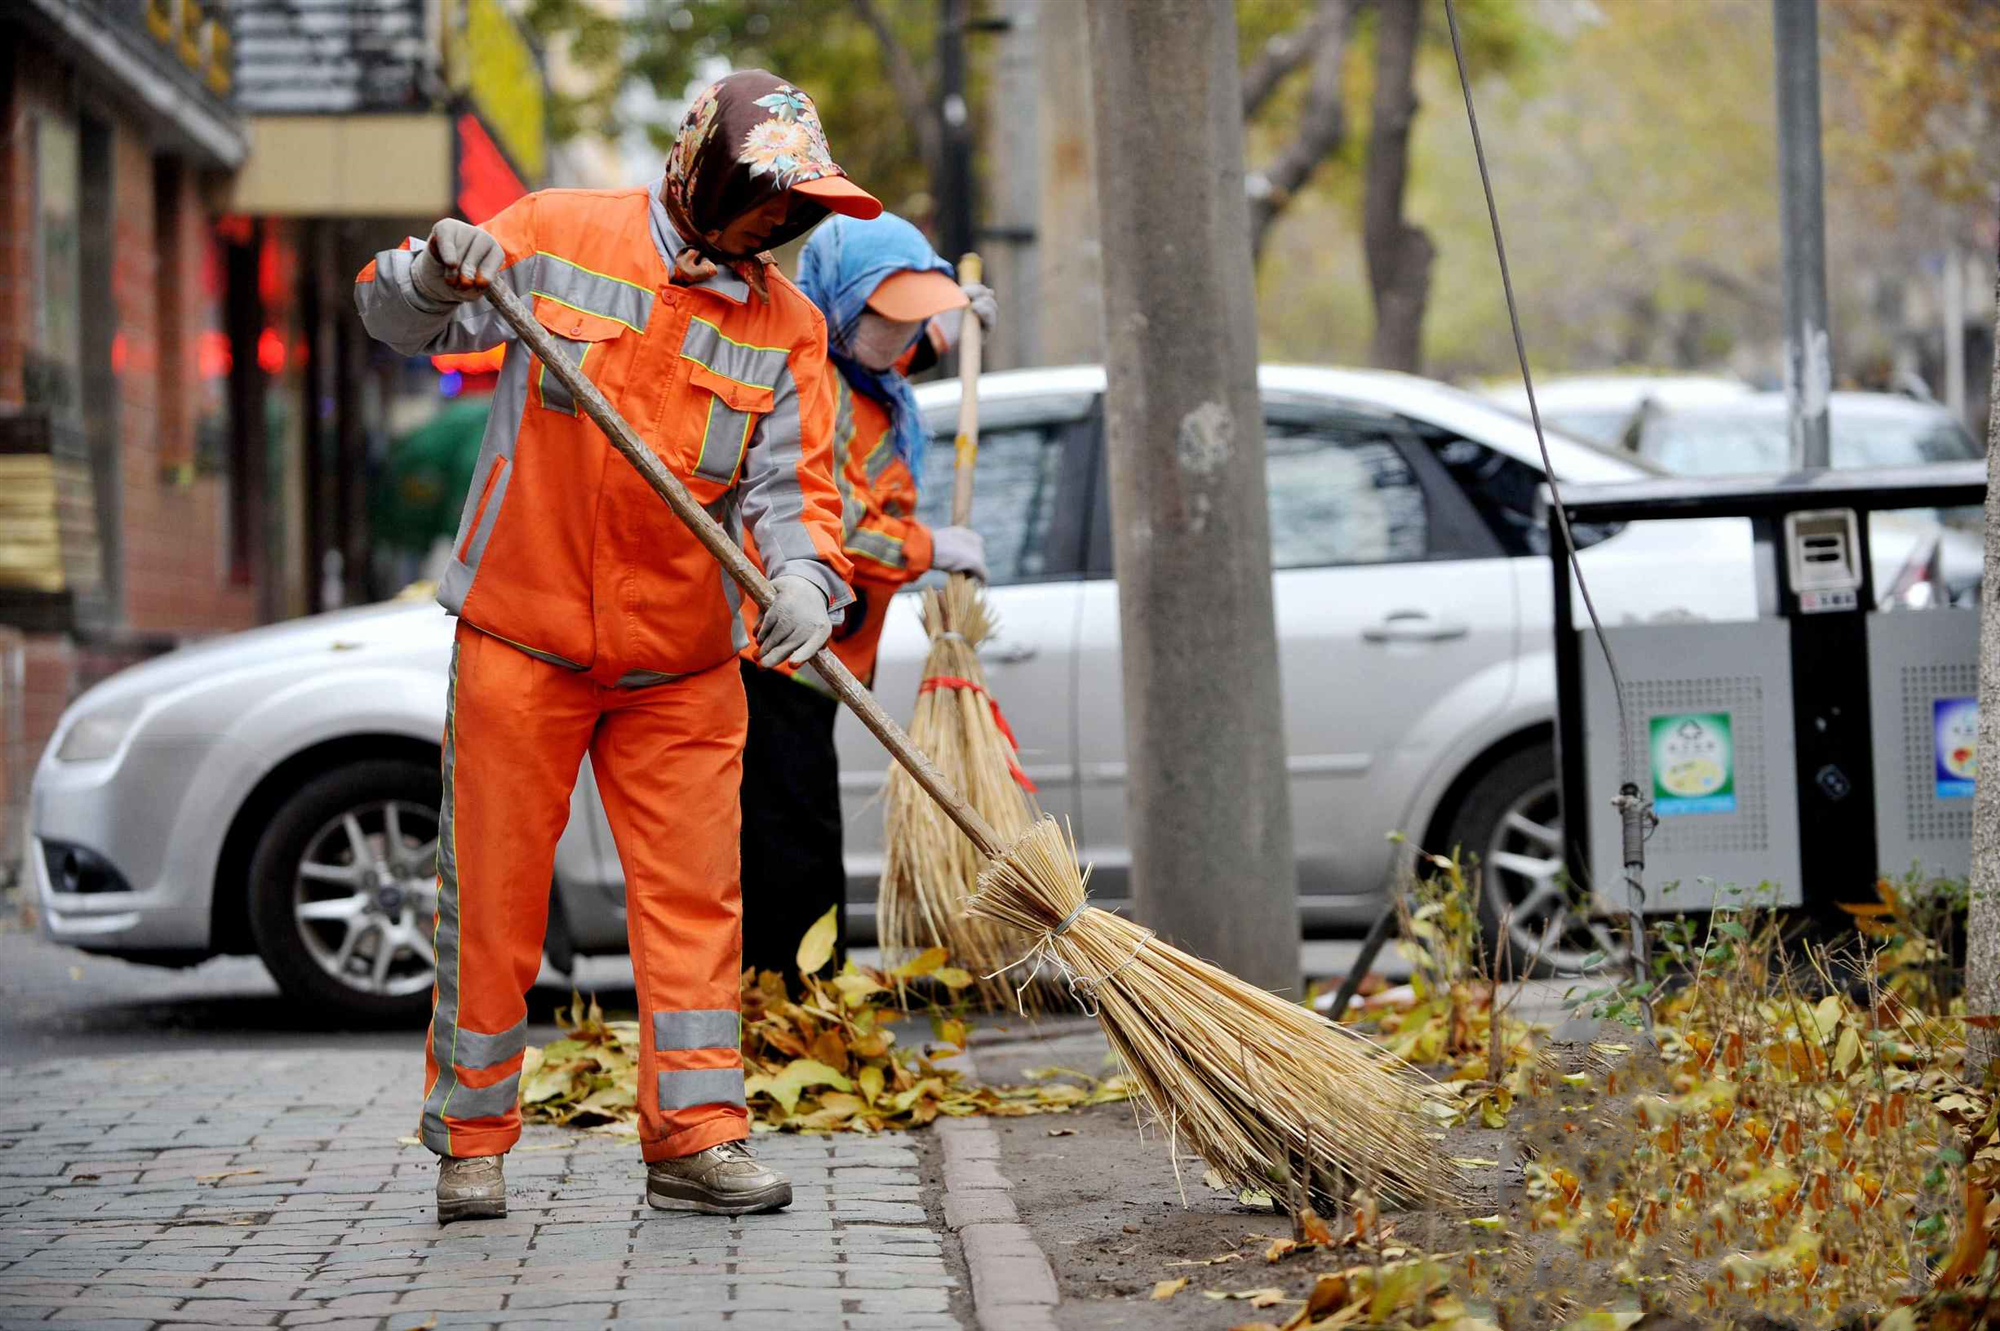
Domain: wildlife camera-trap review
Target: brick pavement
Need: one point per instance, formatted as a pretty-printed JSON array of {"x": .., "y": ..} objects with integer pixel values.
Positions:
[{"x": 270, "y": 1189}]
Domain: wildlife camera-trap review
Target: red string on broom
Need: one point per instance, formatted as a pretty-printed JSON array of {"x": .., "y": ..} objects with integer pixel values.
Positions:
[{"x": 936, "y": 682}]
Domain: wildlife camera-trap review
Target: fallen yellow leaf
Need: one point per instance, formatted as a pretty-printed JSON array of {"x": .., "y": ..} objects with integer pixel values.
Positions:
[{"x": 1166, "y": 1289}]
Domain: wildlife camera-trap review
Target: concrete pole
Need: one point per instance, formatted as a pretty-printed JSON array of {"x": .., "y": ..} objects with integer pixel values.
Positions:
[
  {"x": 1954, "y": 329},
  {"x": 1069, "y": 251},
  {"x": 1211, "y": 825},
  {"x": 1802, "y": 215},
  {"x": 1010, "y": 140}
]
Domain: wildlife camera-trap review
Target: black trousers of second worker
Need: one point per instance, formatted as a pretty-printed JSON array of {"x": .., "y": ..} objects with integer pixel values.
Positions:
[{"x": 792, "y": 866}]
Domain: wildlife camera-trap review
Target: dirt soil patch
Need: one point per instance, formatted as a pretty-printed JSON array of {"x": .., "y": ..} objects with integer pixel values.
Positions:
[{"x": 1103, "y": 1203}]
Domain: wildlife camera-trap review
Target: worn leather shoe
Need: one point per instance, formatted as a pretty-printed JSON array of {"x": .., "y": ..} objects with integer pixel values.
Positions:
[
  {"x": 471, "y": 1188},
  {"x": 722, "y": 1180}
]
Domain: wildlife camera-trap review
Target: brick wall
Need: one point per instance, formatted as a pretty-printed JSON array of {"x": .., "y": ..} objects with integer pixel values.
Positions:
[{"x": 172, "y": 524}]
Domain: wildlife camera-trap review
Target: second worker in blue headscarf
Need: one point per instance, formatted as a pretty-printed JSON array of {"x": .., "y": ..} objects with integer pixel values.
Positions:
[{"x": 893, "y": 307}]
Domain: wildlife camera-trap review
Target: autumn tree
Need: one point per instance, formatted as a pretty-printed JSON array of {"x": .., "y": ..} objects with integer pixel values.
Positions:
[{"x": 1308, "y": 66}]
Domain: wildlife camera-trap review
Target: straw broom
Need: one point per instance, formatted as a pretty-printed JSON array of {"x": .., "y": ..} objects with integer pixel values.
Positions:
[
  {"x": 1256, "y": 1086},
  {"x": 930, "y": 870},
  {"x": 1260, "y": 1088}
]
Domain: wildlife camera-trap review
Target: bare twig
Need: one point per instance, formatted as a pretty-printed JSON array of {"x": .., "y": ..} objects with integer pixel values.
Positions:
[
  {"x": 1321, "y": 122},
  {"x": 912, "y": 86}
]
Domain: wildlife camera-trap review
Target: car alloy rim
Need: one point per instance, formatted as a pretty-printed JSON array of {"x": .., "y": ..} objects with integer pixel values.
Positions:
[
  {"x": 1523, "y": 871},
  {"x": 365, "y": 899}
]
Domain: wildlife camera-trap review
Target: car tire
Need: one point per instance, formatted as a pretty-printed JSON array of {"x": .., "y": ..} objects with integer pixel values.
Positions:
[
  {"x": 1508, "y": 830},
  {"x": 328, "y": 895}
]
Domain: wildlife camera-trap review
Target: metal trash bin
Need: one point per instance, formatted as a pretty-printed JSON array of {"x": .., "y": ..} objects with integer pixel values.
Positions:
[{"x": 1793, "y": 758}]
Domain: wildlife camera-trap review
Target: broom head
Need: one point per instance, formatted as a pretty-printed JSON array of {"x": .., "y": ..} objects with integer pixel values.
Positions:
[{"x": 1257, "y": 1086}]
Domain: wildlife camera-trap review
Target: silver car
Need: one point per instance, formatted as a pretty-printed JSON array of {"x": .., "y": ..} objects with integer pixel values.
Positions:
[{"x": 277, "y": 791}]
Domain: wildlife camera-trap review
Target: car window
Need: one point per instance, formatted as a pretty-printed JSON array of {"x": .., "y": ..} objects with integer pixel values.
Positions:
[
  {"x": 1341, "y": 493},
  {"x": 1019, "y": 475},
  {"x": 1506, "y": 492},
  {"x": 1724, "y": 444}
]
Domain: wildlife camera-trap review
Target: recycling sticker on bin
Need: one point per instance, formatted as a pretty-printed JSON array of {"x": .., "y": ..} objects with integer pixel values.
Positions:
[
  {"x": 1694, "y": 764},
  {"x": 1955, "y": 744}
]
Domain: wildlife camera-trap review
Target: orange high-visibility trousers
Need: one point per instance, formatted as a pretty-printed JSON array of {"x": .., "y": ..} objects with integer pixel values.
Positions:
[{"x": 668, "y": 760}]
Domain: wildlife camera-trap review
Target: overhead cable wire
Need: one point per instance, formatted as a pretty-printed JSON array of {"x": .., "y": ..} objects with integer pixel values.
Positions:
[{"x": 1630, "y": 789}]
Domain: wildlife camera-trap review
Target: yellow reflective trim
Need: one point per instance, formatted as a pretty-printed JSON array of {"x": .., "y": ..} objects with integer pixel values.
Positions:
[
  {"x": 595, "y": 314},
  {"x": 752, "y": 346},
  {"x": 622, "y": 281},
  {"x": 542, "y": 380}
]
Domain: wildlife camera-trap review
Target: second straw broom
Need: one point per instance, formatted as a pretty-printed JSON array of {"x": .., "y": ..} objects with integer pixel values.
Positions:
[
  {"x": 1255, "y": 1085},
  {"x": 929, "y": 869}
]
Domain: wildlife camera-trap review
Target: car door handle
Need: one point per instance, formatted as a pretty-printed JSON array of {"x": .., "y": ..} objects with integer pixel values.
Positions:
[
  {"x": 1414, "y": 626},
  {"x": 1002, "y": 652}
]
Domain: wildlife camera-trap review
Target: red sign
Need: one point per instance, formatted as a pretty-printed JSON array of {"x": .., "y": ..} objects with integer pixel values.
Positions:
[{"x": 486, "y": 184}]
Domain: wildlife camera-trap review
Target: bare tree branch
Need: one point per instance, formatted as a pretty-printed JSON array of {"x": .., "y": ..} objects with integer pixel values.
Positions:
[
  {"x": 1399, "y": 254},
  {"x": 912, "y": 88},
  {"x": 1322, "y": 121},
  {"x": 1286, "y": 52}
]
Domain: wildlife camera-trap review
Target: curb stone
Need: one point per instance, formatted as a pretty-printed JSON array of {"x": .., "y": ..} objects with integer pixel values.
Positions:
[{"x": 1013, "y": 1285}]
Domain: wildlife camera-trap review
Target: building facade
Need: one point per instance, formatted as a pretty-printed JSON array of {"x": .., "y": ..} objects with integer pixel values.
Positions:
[{"x": 124, "y": 482}]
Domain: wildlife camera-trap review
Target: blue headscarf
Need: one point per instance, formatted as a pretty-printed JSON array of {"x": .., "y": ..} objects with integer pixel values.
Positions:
[{"x": 843, "y": 263}]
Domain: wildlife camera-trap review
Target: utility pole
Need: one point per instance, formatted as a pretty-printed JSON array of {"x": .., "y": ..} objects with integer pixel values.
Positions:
[
  {"x": 1802, "y": 215},
  {"x": 1210, "y": 816},
  {"x": 953, "y": 187}
]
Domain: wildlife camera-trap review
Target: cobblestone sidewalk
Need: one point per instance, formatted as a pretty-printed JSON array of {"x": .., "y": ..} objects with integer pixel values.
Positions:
[{"x": 271, "y": 1190}]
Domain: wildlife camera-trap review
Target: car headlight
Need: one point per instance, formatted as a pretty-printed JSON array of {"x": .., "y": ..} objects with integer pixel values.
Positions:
[{"x": 97, "y": 735}]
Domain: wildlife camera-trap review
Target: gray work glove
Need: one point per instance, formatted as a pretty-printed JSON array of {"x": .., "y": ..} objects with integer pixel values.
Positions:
[
  {"x": 796, "y": 623},
  {"x": 958, "y": 550},
  {"x": 984, "y": 307},
  {"x": 457, "y": 264}
]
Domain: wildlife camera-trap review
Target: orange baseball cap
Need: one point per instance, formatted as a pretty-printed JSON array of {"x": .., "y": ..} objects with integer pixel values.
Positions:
[
  {"x": 911, "y": 296},
  {"x": 841, "y": 195}
]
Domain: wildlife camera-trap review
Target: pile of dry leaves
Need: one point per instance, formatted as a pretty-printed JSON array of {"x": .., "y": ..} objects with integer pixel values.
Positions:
[
  {"x": 1800, "y": 1148},
  {"x": 831, "y": 1059}
]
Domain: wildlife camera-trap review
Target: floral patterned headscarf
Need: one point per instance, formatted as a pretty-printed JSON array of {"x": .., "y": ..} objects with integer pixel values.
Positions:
[{"x": 746, "y": 138}]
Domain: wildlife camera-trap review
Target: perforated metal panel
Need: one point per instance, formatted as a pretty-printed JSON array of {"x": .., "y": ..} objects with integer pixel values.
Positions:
[
  {"x": 1736, "y": 678},
  {"x": 1921, "y": 664}
]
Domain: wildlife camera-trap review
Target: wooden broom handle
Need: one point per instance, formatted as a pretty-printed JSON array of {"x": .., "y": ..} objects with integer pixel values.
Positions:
[
  {"x": 739, "y": 566},
  {"x": 969, "y": 332}
]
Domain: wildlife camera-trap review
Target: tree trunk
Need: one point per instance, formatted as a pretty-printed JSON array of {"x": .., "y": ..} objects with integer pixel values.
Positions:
[
  {"x": 1399, "y": 255},
  {"x": 1212, "y": 864},
  {"x": 1982, "y": 926}
]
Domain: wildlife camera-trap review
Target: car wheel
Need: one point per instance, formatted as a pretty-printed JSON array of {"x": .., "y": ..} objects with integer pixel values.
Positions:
[
  {"x": 1509, "y": 829},
  {"x": 343, "y": 892}
]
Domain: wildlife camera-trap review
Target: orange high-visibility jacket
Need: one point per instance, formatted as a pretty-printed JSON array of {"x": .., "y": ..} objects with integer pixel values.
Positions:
[
  {"x": 563, "y": 549},
  {"x": 880, "y": 533}
]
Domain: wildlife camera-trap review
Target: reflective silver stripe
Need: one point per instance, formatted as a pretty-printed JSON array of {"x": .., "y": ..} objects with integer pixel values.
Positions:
[
  {"x": 444, "y": 942},
  {"x": 503, "y": 420},
  {"x": 881, "y": 548},
  {"x": 753, "y": 366},
  {"x": 702, "y": 1028},
  {"x": 773, "y": 502},
  {"x": 554, "y": 392},
  {"x": 478, "y": 1050},
  {"x": 723, "y": 441},
  {"x": 880, "y": 456},
  {"x": 725, "y": 512},
  {"x": 644, "y": 679},
  {"x": 486, "y": 1101},
  {"x": 704, "y": 1086},
  {"x": 489, "y": 518},
  {"x": 569, "y": 283}
]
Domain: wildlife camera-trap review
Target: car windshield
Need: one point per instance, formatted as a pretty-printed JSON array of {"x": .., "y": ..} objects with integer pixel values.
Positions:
[{"x": 1726, "y": 444}]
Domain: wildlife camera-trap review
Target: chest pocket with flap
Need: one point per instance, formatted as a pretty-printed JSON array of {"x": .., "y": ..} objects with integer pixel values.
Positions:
[
  {"x": 582, "y": 336},
  {"x": 736, "y": 387}
]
